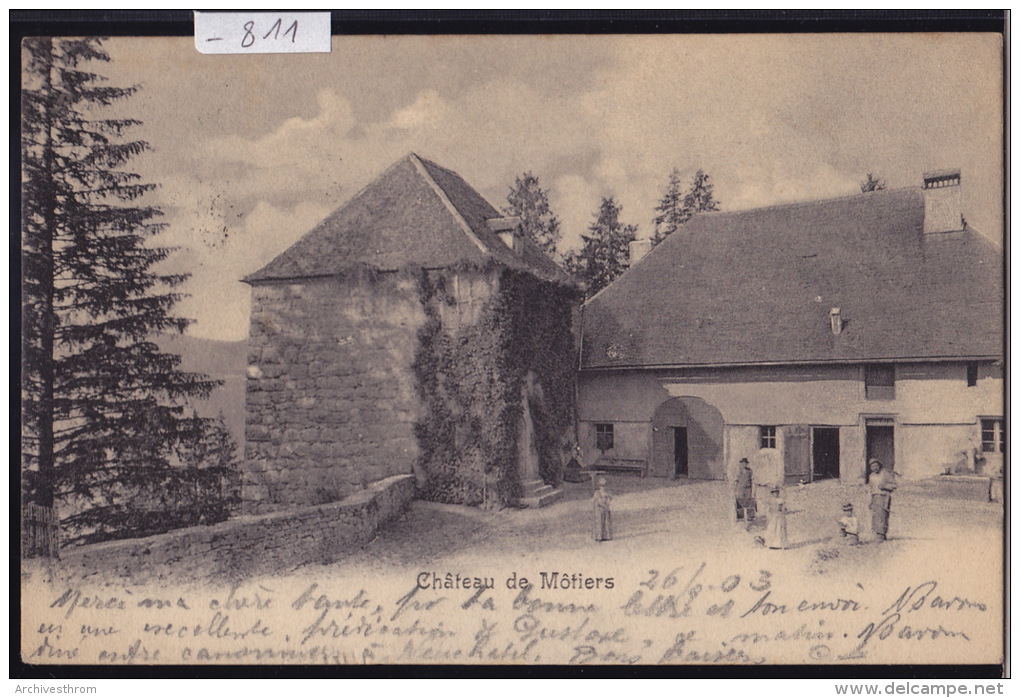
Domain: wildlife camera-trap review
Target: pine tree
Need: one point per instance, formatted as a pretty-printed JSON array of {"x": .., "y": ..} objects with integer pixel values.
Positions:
[
  {"x": 215, "y": 448},
  {"x": 700, "y": 198},
  {"x": 671, "y": 213},
  {"x": 103, "y": 407},
  {"x": 675, "y": 209},
  {"x": 529, "y": 201},
  {"x": 212, "y": 460},
  {"x": 605, "y": 250},
  {"x": 872, "y": 182}
]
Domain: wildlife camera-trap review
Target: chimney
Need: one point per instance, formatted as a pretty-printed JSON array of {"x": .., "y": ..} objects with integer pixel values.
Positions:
[
  {"x": 509, "y": 231},
  {"x": 835, "y": 321},
  {"x": 638, "y": 249},
  {"x": 942, "y": 202}
]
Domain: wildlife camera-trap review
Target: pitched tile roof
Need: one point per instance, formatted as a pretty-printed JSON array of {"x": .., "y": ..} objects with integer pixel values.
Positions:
[
  {"x": 415, "y": 215},
  {"x": 757, "y": 286}
]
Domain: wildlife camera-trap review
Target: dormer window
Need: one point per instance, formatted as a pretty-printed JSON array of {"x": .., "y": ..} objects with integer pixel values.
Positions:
[
  {"x": 835, "y": 321},
  {"x": 508, "y": 230}
]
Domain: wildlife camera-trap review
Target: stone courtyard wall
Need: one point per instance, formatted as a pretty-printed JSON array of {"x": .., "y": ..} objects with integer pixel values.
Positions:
[
  {"x": 248, "y": 545},
  {"x": 331, "y": 400}
]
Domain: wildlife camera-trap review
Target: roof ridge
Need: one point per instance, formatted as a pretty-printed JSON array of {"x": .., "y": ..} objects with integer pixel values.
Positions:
[
  {"x": 805, "y": 202},
  {"x": 968, "y": 228},
  {"x": 433, "y": 163},
  {"x": 630, "y": 266},
  {"x": 248, "y": 278},
  {"x": 419, "y": 165}
]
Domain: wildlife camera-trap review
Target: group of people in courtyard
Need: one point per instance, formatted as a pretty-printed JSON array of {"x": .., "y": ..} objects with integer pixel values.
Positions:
[
  {"x": 747, "y": 496},
  {"x": 881, "y": 484},
  {"x": 773, "y": 505}
]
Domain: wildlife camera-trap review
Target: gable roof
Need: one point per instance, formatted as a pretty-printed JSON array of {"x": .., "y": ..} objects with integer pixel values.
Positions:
[
  {"x": 757, "y": 286},
  {"x": 414, "y": 215}
]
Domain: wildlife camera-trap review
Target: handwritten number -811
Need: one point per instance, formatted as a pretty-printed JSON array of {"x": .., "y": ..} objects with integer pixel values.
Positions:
[{"x": 249, "y": 32}]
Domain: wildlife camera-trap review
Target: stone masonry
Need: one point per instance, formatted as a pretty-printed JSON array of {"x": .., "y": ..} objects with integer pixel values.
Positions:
[
  {"x": 247, "y": 545},
  {"x": 331, "y": 400}
]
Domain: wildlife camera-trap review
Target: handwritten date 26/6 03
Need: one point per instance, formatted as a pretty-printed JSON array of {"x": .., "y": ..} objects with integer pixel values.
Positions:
[
  {"x": 729, "y": 584},
  {"x": 680, "y": 587}
]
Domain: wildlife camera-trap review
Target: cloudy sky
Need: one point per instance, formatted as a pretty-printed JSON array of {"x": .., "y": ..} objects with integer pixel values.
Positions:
[{"x": 252, "y": 151}]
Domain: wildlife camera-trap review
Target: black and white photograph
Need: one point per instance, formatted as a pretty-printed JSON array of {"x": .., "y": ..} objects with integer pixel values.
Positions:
[{"x": 540, "y": 349}]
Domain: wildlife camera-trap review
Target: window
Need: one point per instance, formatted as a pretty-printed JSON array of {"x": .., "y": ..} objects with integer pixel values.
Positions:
[
  {"x": 768, "y": 437},
  {"x": 465, "y": 296},
  {"x": 971, "y": 374},
  {"x": 993, "y": 436},
  {"x": 604, "y": 437},
  {"x": 880, "y": 382}
]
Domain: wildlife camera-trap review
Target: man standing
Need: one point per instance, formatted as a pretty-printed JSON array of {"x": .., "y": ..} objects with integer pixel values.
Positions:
[
  {"x": 744, "y": 494},
  {"x": 881, "y": 483}
]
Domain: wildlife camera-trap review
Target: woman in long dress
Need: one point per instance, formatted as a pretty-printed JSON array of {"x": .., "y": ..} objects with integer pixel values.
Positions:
[
  {"x": 882, "y": 482},
  {"x": 603, "y": 515},
  {"x": 775, "y": 534}
]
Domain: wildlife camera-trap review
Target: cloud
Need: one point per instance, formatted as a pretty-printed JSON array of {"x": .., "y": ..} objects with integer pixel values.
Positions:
[
  {"x": 428, "y": 110},
  {"x": 293, "y": 143},
  {"x": 771, "y": 118},
  {"x": 219, "y": 249},
  {"x": 489, "y": 133},
  {"x": 786, "y": 118}
]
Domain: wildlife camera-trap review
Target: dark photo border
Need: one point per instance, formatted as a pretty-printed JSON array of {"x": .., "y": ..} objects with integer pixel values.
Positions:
[{"x": 421, "y": 22}]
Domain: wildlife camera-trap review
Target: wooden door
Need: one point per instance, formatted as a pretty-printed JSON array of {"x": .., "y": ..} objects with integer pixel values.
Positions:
[{"x": 797, "y": 454}]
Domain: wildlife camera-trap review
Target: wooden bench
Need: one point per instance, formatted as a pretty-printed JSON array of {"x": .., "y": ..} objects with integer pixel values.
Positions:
[{"x": 608, "y": 463}]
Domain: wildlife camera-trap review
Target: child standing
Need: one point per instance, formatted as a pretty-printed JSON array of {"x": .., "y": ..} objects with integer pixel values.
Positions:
[
  {"x": 849, "y": 529},
  {"x": 603, "y": 515}
]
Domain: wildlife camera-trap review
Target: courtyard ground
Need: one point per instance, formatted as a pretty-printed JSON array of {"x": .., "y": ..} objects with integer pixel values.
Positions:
[
  {"x": 655, "y": 517},
  {"x": 932, "y": 593},
  {"x": 681, "y": 582}
]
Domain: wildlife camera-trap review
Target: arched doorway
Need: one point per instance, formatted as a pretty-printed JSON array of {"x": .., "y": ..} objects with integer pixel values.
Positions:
[{"x": 687, "y": 440}]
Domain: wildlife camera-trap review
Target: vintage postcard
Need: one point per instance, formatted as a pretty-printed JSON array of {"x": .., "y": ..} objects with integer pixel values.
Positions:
[{"x": 514, "y": 350}]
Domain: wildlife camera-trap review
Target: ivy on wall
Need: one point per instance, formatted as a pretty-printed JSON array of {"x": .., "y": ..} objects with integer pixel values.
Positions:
[{"x": 471, "y": 382}]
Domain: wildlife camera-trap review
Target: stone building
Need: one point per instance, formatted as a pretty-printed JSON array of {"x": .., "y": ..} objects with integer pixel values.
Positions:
[
  {"x": 414, "y": 330},
  {"x": 832, "y": 331}
]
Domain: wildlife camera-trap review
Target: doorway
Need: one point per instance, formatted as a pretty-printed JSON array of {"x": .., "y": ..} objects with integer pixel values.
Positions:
[
  {"x": 825, "y": 453},
  {"x": 687, "y": 440},
  {"x": 880, "y": 445},
  {"x": 679, "y": 451}
]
